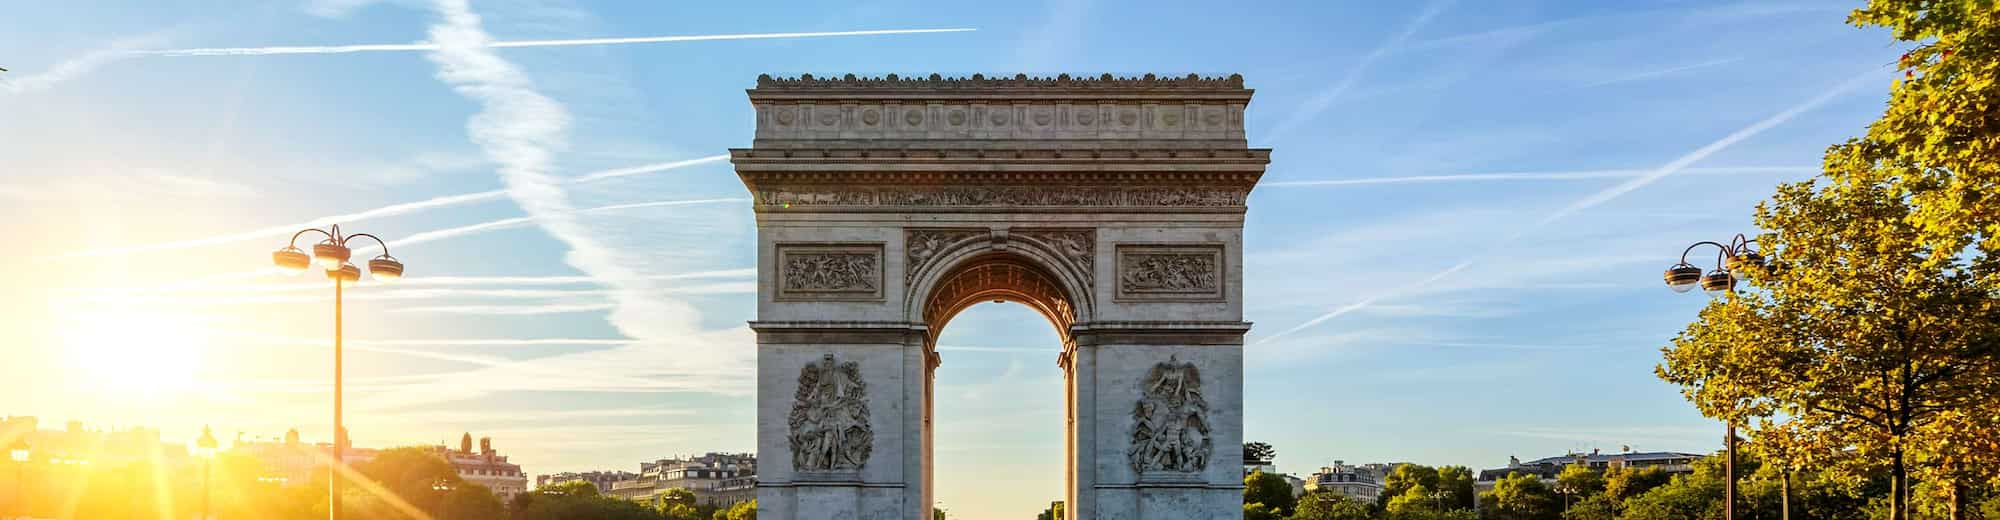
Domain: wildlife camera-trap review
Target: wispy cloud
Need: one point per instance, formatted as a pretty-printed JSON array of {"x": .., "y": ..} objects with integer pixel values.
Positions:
[
  {"x": 522, "y": 130},
  {"x": 1573, "y": 175},
  {"x": 1595, "y": 199},
  {"x": 509, "y": 310},
  {"x": 439, "y": 44},
  {"x": 1325, "y": 98}
]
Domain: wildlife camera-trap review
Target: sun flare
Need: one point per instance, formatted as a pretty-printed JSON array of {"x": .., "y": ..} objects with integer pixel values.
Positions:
[{"x": 145, "y": 353}]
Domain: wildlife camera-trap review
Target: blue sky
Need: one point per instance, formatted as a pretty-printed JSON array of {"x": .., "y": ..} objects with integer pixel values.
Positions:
[{"x": 1454, "y": 257}]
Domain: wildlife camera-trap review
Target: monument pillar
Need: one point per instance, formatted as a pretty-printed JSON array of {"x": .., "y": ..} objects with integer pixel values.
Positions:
[{"x": 1112, "y": 206}]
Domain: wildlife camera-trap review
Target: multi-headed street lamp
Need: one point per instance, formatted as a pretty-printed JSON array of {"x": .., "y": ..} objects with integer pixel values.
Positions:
[
  {"x": 332, "y": 256},
  {"x": 1739, "y": 255},
  {"x": 204, "y": 449}
]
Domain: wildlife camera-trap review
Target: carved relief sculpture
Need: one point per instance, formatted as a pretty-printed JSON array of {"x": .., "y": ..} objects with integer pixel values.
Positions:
[
  {"x": 829, "y": 271},
  {"x": 1185, "y": 273},
  {"x": 1171, "y": 430},
  {"x": 829, "y": 420},
  {"x": 1078, "y": 247},
  {"x": 920, "y": 246}
]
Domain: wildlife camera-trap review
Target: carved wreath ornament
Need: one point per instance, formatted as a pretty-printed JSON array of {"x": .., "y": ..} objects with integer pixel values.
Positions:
[
  {"x": 1171, "y": 431},
  {"x": 829, "y": 420}
]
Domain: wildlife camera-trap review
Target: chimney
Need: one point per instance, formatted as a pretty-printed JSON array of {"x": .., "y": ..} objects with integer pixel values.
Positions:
[
  {"x": 486, "y": 445},
  {"x": 465, "y": 443}
]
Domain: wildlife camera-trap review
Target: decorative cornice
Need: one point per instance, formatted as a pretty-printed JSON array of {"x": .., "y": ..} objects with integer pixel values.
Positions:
[
  {"x": 1019, "y": 81},
  {"x": 892, "y": 178},
  {"x": 884, "y": 151}
]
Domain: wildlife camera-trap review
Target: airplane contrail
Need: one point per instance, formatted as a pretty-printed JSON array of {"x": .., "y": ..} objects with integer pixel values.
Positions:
[
  {"x": 384, "y": 211},
  {"x": 1595, "y": 199},
  {"x": 429, "y": 46}
]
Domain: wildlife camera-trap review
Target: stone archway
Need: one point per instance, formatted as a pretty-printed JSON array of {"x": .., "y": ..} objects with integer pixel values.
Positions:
[{"x": 1113, "y": 207}]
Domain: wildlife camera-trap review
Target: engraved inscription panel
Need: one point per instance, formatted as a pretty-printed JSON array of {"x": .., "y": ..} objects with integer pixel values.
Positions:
[
  {"x": 1171, "y": 272},
  {"x": 829, "y": 271}
]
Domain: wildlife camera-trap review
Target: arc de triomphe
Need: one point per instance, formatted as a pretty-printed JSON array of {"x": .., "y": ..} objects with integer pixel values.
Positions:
[{"x": 1113, "y": 206}]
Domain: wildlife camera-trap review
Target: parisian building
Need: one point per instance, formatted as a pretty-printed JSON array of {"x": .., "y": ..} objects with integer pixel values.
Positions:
[{"x": 717, "y": 479}]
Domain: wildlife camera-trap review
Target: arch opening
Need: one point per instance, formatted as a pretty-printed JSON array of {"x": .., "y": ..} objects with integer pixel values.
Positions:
[{"x": 997, "y": 276}]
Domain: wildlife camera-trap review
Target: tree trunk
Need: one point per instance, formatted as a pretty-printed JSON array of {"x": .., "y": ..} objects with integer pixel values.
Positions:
[
  {"x": 1957, "y": 501},
  {"x": 1785, "y": 495},
  {"x": 1899, "y": 487}
]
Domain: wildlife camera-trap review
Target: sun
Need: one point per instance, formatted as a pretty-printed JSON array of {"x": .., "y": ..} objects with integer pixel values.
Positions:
[{"x": 137, "y": 352}]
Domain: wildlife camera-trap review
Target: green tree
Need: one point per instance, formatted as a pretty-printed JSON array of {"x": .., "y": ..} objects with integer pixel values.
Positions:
[
  {"x": 1403, "y": 478},
  {"x": 1875, "y": 322},
  {"x": 469, "y": 502},
  {"x": 575, "y": 488},
  {"x": 1270, "y": 490},
  {"x": 1255, "y": 511},
  {"x": 1583, "y": 480},
  {"x": 1939, "y": 141},
  {"x": 1520, "y": 496},
  {"x": 1623, "y": 483},
  {"x": 412, "y": 474},
  {"x": 1331, "y": 506},
  {"x": 1687, "y": 496},
  {"x": 746, "y": 510},
  {"x": 1258, "y": 452},
  {"x": 1601, "y": 506},
  {"x": 1054, "y": 512},
  {"x": 1856, "y": 331},
  {"x": 1455, "y": 482}
]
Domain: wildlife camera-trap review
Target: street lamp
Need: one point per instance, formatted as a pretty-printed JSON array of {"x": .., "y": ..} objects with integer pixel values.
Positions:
[
  {"x": 1566, "y": 491},
  {"x": 1739, "y": 255},
  {"x": 442, "y": 487},
  {"x": 331, "y": 255},
  {"x": 20, "y": 452},
  {"x": 204, "y": 448}
]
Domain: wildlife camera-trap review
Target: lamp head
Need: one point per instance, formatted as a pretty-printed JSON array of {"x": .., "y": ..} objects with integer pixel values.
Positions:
[
  {"x": 1745, "y": 261},
  {"x": 330, "y": 255},
  {"x": 385, "y": 268},
  {"x": 291, "y": 260},
  {"x": 1683, "y": 277},
  {"x": 347, "y": 274},
  {"x": 1718, "y": 282},
  {"x": 204, "y": 446}
]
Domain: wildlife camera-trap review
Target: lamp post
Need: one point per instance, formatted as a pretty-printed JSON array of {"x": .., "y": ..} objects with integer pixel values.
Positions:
[
  {"x": 331, "y": 254},
  {"x": 19, "y": 452},
  {"x": 442, "y": 488},
  {"x": 204, "y": 448},
  {"x": 1739, "y": 254}
]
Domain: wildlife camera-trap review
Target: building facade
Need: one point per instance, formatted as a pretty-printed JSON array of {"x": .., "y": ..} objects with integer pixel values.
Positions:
[
  {"x": 717, "y": 479},
  {"x": 1363, "y": 482},
  {"x": 1547, "y": 468},
  {"x": 487, "y": 467},
  {"x": 602, "y": 479}
]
